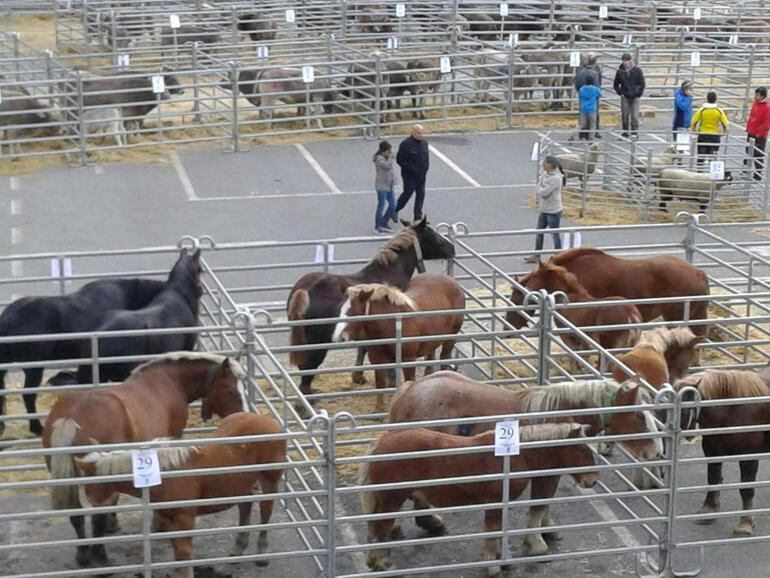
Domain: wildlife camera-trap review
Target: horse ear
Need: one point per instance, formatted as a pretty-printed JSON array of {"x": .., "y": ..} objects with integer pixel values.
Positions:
[
  {"x": 422, "y": 223},
  {"x": 406, "y": 223},
  {"x": 364, "y": 295},
  {"x": 698, "y": 339},
  {"x": 226, "y": 366},
  {"x": 627, "y": 393},
  {"x": 196, "y": 255}
]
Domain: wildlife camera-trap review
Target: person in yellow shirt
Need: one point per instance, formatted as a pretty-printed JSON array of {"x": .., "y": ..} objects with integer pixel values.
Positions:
[{"x": 710, "y": 122}]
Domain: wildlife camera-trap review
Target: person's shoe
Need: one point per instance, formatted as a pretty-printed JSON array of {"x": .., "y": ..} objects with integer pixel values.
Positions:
[
  {"x": 624, "y": 135},
  {"x": 386, "y": 229},
  {"x": 378, "y": 231},
  {"x": 394, "y": 218},
  {"x": 532, "y": 259}
]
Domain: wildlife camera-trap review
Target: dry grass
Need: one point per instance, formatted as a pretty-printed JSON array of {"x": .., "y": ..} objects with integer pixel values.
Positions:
[{"x": 36, "y": 30}]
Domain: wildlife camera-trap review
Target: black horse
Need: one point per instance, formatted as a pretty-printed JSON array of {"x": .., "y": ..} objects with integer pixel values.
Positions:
[
  {"x": 175, "y": 306},
  {"x": 320, "y": 295},
  {"x": 83, "y": 310}
]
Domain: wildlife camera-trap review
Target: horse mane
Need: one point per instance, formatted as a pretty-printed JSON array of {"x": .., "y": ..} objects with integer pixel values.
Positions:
[
  {"x": 548, "y": 431},
  {"x": 661, "y": 339},
  {"x": 726, "y": 384},
  {"x": 401, "y": 241},
  {"x": 573, "y": 393},
  {"x": 381, "y": 292},
  {"x": 570, "y": 254},
  {"x": 183, "y": 356},
  {"x": 121, "y": 461}
]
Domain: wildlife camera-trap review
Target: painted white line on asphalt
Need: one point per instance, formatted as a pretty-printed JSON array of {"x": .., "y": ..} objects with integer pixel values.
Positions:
[
  {"x": 15, "y": 207},
  {"x": 183, "y": 176},
  {"x": 349, "y": 538},
  {"x": 16, "y": 235},
  {"x": 15, "y": 183},
  {"x": 317, "y": 168},
  {"x": 17, "y": 268},
  {"x": 454, "y": 166}
]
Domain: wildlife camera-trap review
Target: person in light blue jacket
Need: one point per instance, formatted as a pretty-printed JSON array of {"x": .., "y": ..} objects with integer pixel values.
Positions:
[
  {"x": 683, "y": 107},
  {"x": 588, "y": 97}
]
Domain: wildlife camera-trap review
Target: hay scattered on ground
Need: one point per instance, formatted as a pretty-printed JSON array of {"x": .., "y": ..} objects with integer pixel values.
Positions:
[{"x": 36, "y": 30}]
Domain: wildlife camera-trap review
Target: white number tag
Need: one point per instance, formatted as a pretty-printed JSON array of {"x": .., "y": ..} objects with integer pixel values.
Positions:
[
  {"x": 124, "y": 60},
  {"x": 513, "y": 39},
  {"x": 695, "y": 58},
  {"x": 574, "y": 59},
  {"x": 308, "y": 74},
  {"x": 393, "y": 43},
  {"x": 158, "y": 84},
  {"x": 445, "y": 65},
  {"x": 603, "y": 11},
  {"x": 173, "y": 21},
  {"x": 535, "y": 155},
  {"x": 400, "y": 10},
  {"x": 503, "y": 9},
  {"x": 717, "y": 170},
  {"x": 146, "y": 468},
  {"x": 291, "y": 16},
  {"x": 507, "y": 438},
  {"x": 733, "y": 39},
  {"x": 696, "y": 13},
  {"x": 263, "y": 52}
]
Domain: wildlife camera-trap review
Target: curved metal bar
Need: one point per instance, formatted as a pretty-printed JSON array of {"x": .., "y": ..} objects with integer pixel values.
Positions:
[
  {"x": 322, "y": 417},
  {"x": 210, "y": 243},
  {"x": 441, "y": 226},
  {"x": 460, "y": 228},
  {"x": 344, "y": 416},
  {"x": 194, "y": 244},
  {"x": 263, "y": 313}
]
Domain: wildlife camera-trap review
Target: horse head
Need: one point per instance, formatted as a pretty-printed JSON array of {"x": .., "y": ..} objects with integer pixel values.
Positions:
[
  {"x": 357, "y": 303},
  {"x": 186, "y": 273},
  {"x": 224, "y": 391},
  {"x": 430, "y": 245},
  {"x": 516, "y": 318},
  {"x": 679, "y": 358}
]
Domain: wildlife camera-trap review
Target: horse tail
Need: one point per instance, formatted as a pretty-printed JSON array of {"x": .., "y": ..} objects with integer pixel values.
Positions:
[
  {"x": 63, "y": 434},
  {"x": 369, "y": 499},
  {"x": 299, "y": 303}
]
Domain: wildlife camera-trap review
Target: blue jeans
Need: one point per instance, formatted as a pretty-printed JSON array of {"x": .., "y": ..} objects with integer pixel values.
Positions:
[
  {"x": 548, "y": 221},
  {"x": 382, "y": 218}
]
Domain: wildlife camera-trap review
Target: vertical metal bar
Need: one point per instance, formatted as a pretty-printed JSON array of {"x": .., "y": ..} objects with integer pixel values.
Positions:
[
  {"x": 331, "y": 480},
  {"x": 504, "y": 553},
  {"x": 450, "y": 264},
  {"x": 399, "y": 337},
  {"x": 95, "y": 378},
  {"x": 584, "y": 180},
  {"x": 509, "y": 103},
  {"x": 234, "y": 29},
  {"x": 544, "y": 331},
  {"x": 234, "y": 127},
  {"x": 146, "y": 531},
  {"x": 493, "y": 365},
  {"x": 647, "y": 192},
  {"x": 378, "y": 93},
  {"x": 326, "y": 256},
  {"x": 749, "y": 289},
  {"x": 749, "y": 76},
  {"x": 81, "y": 125},
  {"x": 671, "y": 448},
  {"x": 62, "y": 281},
  {"x": 196, "y": 108},
  {"x": 712, "y": 199}
]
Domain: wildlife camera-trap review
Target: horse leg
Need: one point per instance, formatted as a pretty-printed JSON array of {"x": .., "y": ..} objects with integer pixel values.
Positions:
[
  {"x": 32, "y": 378},
  {"x": 269, "y": 486},
  {"x": 83, "y": 556},
  {"x": 382, "y": 530},
  {"x": 381, "y": 380},
  {"x": 534, "y": 544},
  {"x": 242, "y": 539},
  {"x": 183, "y": 547},
  {"x": 492, "y": 523},
  {"x": 99, "y": 529},
  {"x": 446, "y": 354},
  {"x": 312, "y": 361},
  {"x": 431, "y": 356},
  {"x": 358, "y": 376},
  {"x": 712, "y": 503},
  {"x": 747, "y": 524},
  {"x": 432, "y": 524}
]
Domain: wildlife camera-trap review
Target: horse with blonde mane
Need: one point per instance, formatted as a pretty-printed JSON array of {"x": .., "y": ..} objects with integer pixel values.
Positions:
[
  {"x": 428, "y": 469},
  {"x": 715, "y": 384},
  {"x": 200, "y": 487},
  {"x": 425, "y": 292},
  {"x": 662, "y": 356}
]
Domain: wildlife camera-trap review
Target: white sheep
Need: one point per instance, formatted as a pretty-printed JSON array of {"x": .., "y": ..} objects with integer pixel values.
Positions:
[
  {"x": 107, "y": 121},
  {"x": 688, "y": 186},
  {"x": 573, "y": 164},
  {"x": 669, "y": 157}
]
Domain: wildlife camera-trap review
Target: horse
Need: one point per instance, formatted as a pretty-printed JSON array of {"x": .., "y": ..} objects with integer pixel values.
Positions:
[
  {"x": 320, "y": 295},
  {"x": 175, "y": 306},
  {"x": 200, "y": 486},
  {"x": 83, "y": 310},
  {"x": 425, "y": 292},
  {"x": 152, "y": 403},
  {"x": 603, "y": 275},
  {"x": 729, "y": 384},
  {"x": 428, "y": 469},
  {"x": 557, "y": 278},
  {"x": 661, "y": 356}
]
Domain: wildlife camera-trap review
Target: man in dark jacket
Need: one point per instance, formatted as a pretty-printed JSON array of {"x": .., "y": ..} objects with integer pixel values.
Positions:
[
  {"x": 590, "y": 69},
  {"x": 629, "y": 84},
  {"x": 414, "y": 159}
]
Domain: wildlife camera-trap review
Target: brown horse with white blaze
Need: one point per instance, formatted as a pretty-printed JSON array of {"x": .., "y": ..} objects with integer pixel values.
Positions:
[
  {"x": 431, "y": 493},
  {"x": 152, "y": 403},
  {"x": 200, "y": 487},
  {"x": 425, "y": 292}
]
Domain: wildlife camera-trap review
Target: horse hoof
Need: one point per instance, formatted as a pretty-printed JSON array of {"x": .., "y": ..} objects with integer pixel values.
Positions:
[
  {"x": 706, "y": 510},
  {"x": 535, "y": 546},
  {"x": 495, "y": 572},
  {"x": 745, "y": 528},
  {"x": 262, "y": 563},
  {"x": 83, "y": 557},
  {"x": 377, "y": 563},
  {"x": 433, "y": 525},
  {"x": 358, "y": 377},
  {"x": 550, "y": 537}
]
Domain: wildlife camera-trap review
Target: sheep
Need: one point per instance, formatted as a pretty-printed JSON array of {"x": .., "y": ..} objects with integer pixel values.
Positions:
[
  {"x": 573, "y": 164},
  {"x": 669, "y": 157},
  {"x": 688, "y": 186},
  {"x": 106, "y": 121}
]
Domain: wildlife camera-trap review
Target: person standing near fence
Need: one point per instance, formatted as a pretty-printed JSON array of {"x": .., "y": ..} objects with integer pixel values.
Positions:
[
  {"x": 384, "y": 184},
  {"x": 682, "y": 108},
  {"x": 414, "y": 159},
  {"x": 629, "y": 84},
  {"x": 588, "y": 97},
  {"x": 709, "y": 122},
  {"x": 756, "y": 130},
  {"x": 590, "y": 69},
  {"x": 548, "y": 195}
]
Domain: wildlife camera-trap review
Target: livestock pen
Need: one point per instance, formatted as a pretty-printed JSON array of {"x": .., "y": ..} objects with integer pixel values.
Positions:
[{"x": 616, "y": 528}]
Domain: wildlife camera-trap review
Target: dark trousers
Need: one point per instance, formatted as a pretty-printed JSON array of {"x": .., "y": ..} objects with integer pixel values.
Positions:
[
  {"x": 708, "y": 146},
  {"x": 414, "y": 187},
  {"x": 548, "y": 221},
  {"x": 757, "y": 152}
]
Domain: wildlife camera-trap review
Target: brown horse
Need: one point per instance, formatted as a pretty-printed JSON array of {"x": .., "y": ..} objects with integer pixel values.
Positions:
[
  {"x": 152, "y": 403},
  {"x": 661, "y": 356},
  {"x": 199, "y": 487},
  {"x": 437, "y": 494},
  {"x": 557, "y": 278},
  {"x": 603, "y": 275},
  {"x": 426, "y": 292},
  {"x": 320, "y": 295},
  {"x": 723, "y": 384}
]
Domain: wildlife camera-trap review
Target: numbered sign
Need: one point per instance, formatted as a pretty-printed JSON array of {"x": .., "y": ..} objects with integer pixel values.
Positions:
[
  {"x": 683, "y": 141},
  {"x": 445, "y": 65},
  {"x": 393, "y": 43},
  {"x": 717, "y": 170},
  {"x": 507, "y": 438},
  {"x": 513, "y": 39},
  {"x": 173, "y": 21},
  {"x": 319, "y": 253},
  {"x": 627, "y": 38},
  {"x": 695, "y": 58},
  {"x": 733, "y": 39},
  {"x": 574, "y": 59},
  {"x": 124, "y": 60},
  {"x": 263, "y": 52},
  {"x": 68, "y": 267},
  {"x": 535, "y": 155},
  {"x": 291, "y": 16},
  {"x": 158, "y": 84},
  {"x": 146, "y": 468},
  {"x": 696, "y": 13},
  {"x": 603, "y": 11},
  {"x": 400, "y": 10},
  {"x": 503, "y": 9}
]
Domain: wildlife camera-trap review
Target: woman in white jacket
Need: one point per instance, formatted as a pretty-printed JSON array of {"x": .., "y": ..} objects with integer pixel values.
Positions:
[{"x": 548, "y": 194}]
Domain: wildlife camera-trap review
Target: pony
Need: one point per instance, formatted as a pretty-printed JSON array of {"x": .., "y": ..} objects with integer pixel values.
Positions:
[
  {"x": 661, "y": 356},
  {"x": 320, "y": 295},
  {"x": 603, "y": 275},
  {"x": 729, "y": 384},
  {"x": 200, "y": 486},
  {"x": 425, "y": 292},
  {"x": 152, "y": 403},
  {"x": 175, "y": 306},
  {"x": 484, "y": 462},
  {"x": 83, "y": 310},
  {"x": 557, "y": 278}
]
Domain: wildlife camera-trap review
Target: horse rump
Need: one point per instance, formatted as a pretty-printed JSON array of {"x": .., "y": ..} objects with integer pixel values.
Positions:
[
  {"x": 368, "y": 498},
  {"x": 299, "y": 303},
  {"x": 63, "y": 434}
]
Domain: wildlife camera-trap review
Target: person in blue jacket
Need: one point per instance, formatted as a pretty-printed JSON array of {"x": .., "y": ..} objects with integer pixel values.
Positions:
[
  {"x": 683, "y": 107},
  {"x": 588, "y": 97}
]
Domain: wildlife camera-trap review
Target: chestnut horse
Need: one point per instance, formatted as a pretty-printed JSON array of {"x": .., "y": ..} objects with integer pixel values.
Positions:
[
  {"x": 661, "y": 356},
  {"x": 201, "y": 486},
  {"x": 320, "y": 295},
  {"x": 729, "y": 384},
  {"x": 557, "y": 278},
  {"x": 603, "y": 275},
  {"x": 438, "y": 494},
  {"x": 425, "y": 292},
  {"x": 152, "y": 403}
]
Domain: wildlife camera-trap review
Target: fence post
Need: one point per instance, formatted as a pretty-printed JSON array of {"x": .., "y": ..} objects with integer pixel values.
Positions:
[
  {"x": 95, "y": 378},
  {"x": 689, "y": 239},
  {"x": 712, "y": 198},
  {"x": 509, "y": 108},
  {"x": 749, "y": 75},
  {"x": 399, "y": 335},
  {"x": 551, "y": 14},
  {"x": 235, "y": 129},
  {"x": 146, "y": 531},
  {"x": 16, "y": 55},
  {"x": 766, "y": 200},
  {"x": 344, "y": 16},
  {"x": 584, "y": 180},
  {"x": 377, "y": 93},
  {"x": 749, "y": 288},
  {"x": 49, "y": 76},
  {"x": 450, "y": 264},
  {"x": 544, "y": 335},
  {"x": 196, "y": 81},
  {"x": 234, "y": 29},
  {"x": 81, "y": 126},
  {"x": 493, "y": 329},
  {"x": 113, "y": 31},
  {"x": 647, "y": 192}
]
